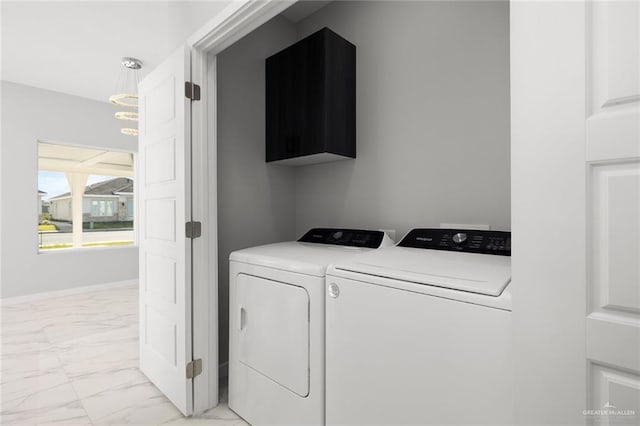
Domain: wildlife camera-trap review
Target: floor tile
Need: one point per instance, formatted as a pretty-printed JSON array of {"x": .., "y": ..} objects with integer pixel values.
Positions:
[
  {"x": 23, "y": 375},
  {"x": 58, "y": 404},
  {"x": 85, "y": 315},
  {"x": 16, "y": 313},
  {"x": 95, "y": 383},
  {"x": 103, "y": 361},
  {"x": 74, "y": 360},
  {"x": 137, "y": 403},
  {"x": 222, "y": 413},
  {"x": 80, "y": 323},
  {"x": 206, "y": 421},
  {"x": 17, "y": 342},
  {"x": 102, "y": 352}
]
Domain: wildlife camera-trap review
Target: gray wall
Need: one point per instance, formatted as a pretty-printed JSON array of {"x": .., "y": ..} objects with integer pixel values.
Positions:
[
  {"x": 29, "y": 115},
  {"x": 255, "y": 200},
  {"x": 432, "y": 118},
  {"x": 432, "y": 125}
]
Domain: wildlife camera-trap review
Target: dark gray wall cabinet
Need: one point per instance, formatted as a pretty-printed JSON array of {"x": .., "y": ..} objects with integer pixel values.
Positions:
[{"x": 311, "y": 101}]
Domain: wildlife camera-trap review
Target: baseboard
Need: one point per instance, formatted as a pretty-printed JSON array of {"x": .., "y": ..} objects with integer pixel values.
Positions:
[
  {"x": 66, "y": 292},
  {"x": 223, "y": 370}
]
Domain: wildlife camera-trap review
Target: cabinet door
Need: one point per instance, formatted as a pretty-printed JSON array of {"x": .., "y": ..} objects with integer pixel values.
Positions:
[
  {"x": 295, "y": 100},
  {"x": 311, "y": 120},
  {"x": 340, "y": 96},
  {"x": 283, "y": 105}
]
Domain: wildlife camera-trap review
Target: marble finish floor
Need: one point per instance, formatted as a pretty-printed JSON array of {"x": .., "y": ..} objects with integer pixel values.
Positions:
[{"x": 74, "y": 360}]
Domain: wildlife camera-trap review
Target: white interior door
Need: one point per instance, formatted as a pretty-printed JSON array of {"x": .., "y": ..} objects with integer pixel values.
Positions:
[
  {"x": 164, "y": 208},
  {"x": 613, "y": 210},
  {"x": 575, "y": 146}
]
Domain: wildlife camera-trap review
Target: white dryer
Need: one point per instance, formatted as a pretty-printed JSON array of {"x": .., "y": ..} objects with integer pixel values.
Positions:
[
  {"x": 420, "y": 333},
  {"x": 276, "y": 324}
]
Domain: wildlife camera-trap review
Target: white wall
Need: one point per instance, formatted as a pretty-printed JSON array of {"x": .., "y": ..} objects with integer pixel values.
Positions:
[
  {"x": 255, "y": 199},
  {"x": 186, "y": 17},
  {"x": 29, "y": 115},
  {"x": 40, "y": 39},
  {"x": 432, "y": 118}
]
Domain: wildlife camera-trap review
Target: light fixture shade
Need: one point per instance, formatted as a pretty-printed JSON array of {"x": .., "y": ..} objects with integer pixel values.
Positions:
[
  {"x": 129, "y": 132},
  {"x": 127, "y": 115},
  {"x": 125, "y": 100}
]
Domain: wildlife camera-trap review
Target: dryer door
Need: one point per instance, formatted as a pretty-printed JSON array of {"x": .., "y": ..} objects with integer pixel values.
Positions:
[{"x": 273, "y": 322}]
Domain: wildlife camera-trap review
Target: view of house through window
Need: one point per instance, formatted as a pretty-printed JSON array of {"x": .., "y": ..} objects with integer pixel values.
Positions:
[{"x": 85, "y": 197}]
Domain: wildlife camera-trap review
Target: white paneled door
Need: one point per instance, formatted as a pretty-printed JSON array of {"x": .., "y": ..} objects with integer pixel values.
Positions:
[
  {"x": 575, "y": 120},
  {"x": 613, "y": 210},
  {"x": 164, "y": 188}
]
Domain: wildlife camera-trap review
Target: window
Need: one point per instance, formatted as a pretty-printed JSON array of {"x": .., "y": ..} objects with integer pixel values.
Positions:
[
  {"x": 87, "y": 185},
  {"x": 102, "y": 208}
]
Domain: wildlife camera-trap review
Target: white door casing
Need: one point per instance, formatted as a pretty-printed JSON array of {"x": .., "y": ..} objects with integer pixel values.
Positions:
[
  {"x": 613, "y": 210},
  {"x": 547, "y": 211},
  {"x": 194, "y": 311},
  {"x": 228, "y": 26},
  {"x": 164, "y": 186}
]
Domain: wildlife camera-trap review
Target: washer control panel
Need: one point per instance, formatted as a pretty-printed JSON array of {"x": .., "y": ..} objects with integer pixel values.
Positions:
[
  {"x": 465, "y": 240},
  {"x": 344, "y": 237}
]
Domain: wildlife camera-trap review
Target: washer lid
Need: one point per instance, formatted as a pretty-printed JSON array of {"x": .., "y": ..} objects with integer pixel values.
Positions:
[{"x": 468, "y": 272}]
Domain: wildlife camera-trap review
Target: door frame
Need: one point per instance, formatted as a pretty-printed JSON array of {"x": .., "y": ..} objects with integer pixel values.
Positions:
[{"x": 228, "y": 26}]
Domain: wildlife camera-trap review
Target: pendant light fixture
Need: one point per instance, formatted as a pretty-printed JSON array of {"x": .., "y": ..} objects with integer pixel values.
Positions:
[{"x": 127, "y": 93}]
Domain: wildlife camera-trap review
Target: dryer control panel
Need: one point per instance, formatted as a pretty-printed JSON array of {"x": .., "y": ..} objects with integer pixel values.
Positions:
[
  {"x": 344, "y": 237},
  {"x": 464, "y": 240}
]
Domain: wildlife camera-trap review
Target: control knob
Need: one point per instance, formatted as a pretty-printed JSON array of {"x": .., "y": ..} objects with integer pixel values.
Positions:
[{"x": 459, "y": 238}]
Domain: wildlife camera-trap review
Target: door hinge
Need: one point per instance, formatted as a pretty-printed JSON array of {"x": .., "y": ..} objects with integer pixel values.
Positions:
[
  {"x": 192, "y": 91},
  {"x": 193, "y": 229},
  {"x": 194, "y": 368}
]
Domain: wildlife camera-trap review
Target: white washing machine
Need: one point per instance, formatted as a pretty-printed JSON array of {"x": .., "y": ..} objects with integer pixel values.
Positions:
[
  {"x": 276, "y": 324},
  {"x": 420, "y": 333}
]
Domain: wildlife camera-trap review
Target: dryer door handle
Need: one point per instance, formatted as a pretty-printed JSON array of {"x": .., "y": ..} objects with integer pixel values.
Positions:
[{"x": 242, "y": 317}]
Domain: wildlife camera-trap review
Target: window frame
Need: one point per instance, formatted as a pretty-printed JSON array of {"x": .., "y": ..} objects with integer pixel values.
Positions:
[{"x": 114, "y": 206}]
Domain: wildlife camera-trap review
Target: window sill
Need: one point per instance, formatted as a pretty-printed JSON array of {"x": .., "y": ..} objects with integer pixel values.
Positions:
[{"x": 86, "y": 249}]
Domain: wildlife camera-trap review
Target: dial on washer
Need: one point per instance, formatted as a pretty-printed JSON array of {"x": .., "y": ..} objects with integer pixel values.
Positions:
[{"x": 459, "y": 238}]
